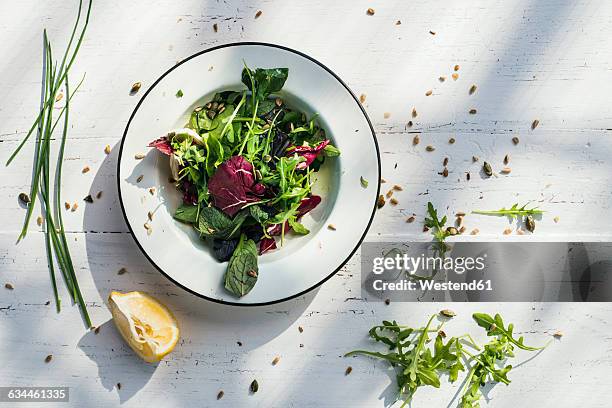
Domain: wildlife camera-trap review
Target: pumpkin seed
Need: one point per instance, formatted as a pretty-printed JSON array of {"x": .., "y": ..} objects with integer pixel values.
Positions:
[
  {"x": 486, "y": 167},
  {"x": 348, "y": 370},
  {"x": 24, "y": 198},
  {"x": 135, "y": 88},
  {"x": 254, "y": 386},
  {"x": 472, "y": 89},
  {"x": 448, "y": 313},
  {"x": 370, "y": 11}
]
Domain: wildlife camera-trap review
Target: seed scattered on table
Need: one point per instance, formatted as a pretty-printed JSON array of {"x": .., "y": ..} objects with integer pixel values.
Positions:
[
  {"x": 530, "y": 223},
  {"x": 451, "y": 140},
  {"x": 39, "y": 220},
  {"x": 118, "y": 385},
  {"x": 473, "y": 111},
  {"x": 475, "y": 231},
  {"x": 150, "y": 215},
  {"x": 507, "y": 159},
  {"x": 152, "y": 190},
  {"x": 107, "y": 149},
  {"x": 428, "y": 93},
  {"x": 67, "y": 205},
  {"x": 398, "y": 22},
  {"x": 386, "y": 115},
  {"x": 48, "y": 359},
  {"x": 472, "y": 89},
  {"x": 97, "y": 330},
  {"x": 380, "y": 203},
  {"x": 139, "y": 179},
  {"x": 394, "y": 201},
  {"x": 121, "y": 271},
  {"x": 456, "y": 67},
  {"x": 445, "y": 161},
  {"x": 455, "y": 76},
  {"x": 397, "y": 187},
  {"x": 430, "y": 148},
  {"x": 85, "y": 169},
  {"x": 382, "y": 181},
  {"x": 556, "y": 219},
  {"x": 254, "y": 387},
  {"x": 362, "y": 98},
  {"x": 414, "y": 113},
  {"x": 74, "y": 207},
  {"x": 389, "y": 193},
  {"x": 215, "y": 27},
  {"x": 139, "y": 156},
  {"x": 348, "y": 370},
  {"x": 506, "y": 170},
  {"x": 515, "y": 140},
  {"x": 535, "y": 124},
  {"x": 442, "y": 79},
  {"x": 488, "y": 170},
  {"x": 220, "y": 395},
  {"x": 275, "y": 360},
  {"x": 448, "y": 313},
  {"x": 88, "y": 198},
  {"x": 9, "y": 286},
  {"x": 387, "y": 301},
  {"x": 508, "y": 231},
  {"x": 432, "y": 32},
  {"x": 331, "y": 227},
  {"x": 148, "y": 227},
  {"x": 24, "y": 198},
  {"x": 370, "y": 11},
  {"x": 558, "y": 334},
  {"x": 410, "y": 219},
  {"x": 258, "y": 14},
  {"x": 99, "y": 195},
  {"x": 444, "y": 172},
  {"x": 416, "y": 140},
  {"x": 135, "y": 88},
  {"x": 300, "y": 329}
]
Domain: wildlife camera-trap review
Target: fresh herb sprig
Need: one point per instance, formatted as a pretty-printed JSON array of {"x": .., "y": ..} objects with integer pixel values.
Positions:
[
  {"x": 513, "y": 212},
  {"x": 54, "y": 79},
  {"x": 437, "y": 227},
  {"x": 419, "y": 364}
]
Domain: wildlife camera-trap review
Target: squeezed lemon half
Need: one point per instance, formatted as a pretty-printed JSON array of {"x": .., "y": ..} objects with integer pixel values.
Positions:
[{"x": 146, "y": 325}]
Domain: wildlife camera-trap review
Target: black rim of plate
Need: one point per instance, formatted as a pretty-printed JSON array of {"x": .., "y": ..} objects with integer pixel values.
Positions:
[{"x": 225, "y": 302}]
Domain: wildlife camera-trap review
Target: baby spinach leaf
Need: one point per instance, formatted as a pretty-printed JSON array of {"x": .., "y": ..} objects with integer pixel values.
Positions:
[
  {"x": 267, "y": 80},
  {"x": 214, "y": 223},
  {"x": 258, "y": 214},
  {"x": 242, "y": 270},
  {"x": 187, "y": 213}
]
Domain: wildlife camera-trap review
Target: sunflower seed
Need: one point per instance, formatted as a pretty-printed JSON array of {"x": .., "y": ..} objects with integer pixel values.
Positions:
[
  {"x": 430, "y": 148},
  {"x": 139, "y": 156},
  {"x": 9, "y": 286},
  {"x": 107, "y": 149},
  {"x": 455, "y": 76},
  {"x": 85, "y": 169},
  {"x": 472, "y": 111},
  {"x": 380, "y": 203},
  {"x": 456, "y": 68},
  {"x": 416, "y": 140},
  {"x": 486, "y": 167},
  {"x": 428, "y": 93},
  {"x": 472, "y": 89},
  {"x": 254, "y": 386},
  {"x": 515, "y": 140},
  {"x": 505, "y": 170},
  {"x": 508, "y": 231},
  {"x": 394, "y": 201},
  {"x": 475, "y": 231},
  {"x": 276, "y": 360},
  {"x": 48, "y": 358},
  {"x": 370, "y": 11},
  {"x": 348, "y": 370},
  {"x": 535, "y": 124},
  {"x": 220, "y": 395},
  {"x": 530, "y": 223},
  {"x": 414, "y": 113},
  {"x": 397, "y": 187},
  {"x": 135, "y": 88},
  {"x": 331, "y": 227},
  {"x": 410, "y": 219},
  {"x": 362, "y": 98},
  {"x": 507, "y": 159},
  {"x": 74, "y": 207},
  {"x": 258, "y": 14}
]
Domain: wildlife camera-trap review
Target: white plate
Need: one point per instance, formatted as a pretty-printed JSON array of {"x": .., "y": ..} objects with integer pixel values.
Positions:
[{"x": 303, "y": 263}]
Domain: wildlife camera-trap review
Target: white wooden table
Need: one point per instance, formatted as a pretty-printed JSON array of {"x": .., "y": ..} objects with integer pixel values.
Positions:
[{"x": 546, "y": 60}]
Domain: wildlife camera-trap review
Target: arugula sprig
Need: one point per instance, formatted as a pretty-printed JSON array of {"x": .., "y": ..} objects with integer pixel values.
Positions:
[
  {"x": 513, "y": 212},
  {"x": 418, "y": 364},
  {"x": 437, "y": 226}
]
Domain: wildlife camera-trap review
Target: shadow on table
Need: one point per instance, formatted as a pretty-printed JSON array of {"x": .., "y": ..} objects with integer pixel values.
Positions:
[{"x": 110, "y": 248}]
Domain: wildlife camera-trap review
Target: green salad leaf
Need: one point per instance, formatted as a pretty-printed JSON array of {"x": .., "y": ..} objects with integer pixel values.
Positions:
[
  {"x": 187, "y": 213},
  {"x": 242, "y": 269}
]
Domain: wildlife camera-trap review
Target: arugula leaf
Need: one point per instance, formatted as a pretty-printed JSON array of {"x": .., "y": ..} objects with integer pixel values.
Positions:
[
  {"x": 495, "y": 327},
  {"x": 297, "y": 227},
  {"x": 331, "y": 151},
  {"x": 187, "y": 213},
  {"x": 242, "y": 270},
  {"x": 513, "y": 212},
  {"x": 266, "y": 81}
]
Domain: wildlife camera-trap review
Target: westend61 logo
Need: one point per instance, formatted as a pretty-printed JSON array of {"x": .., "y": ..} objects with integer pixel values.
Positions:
[{"x": 422, "y": 264}]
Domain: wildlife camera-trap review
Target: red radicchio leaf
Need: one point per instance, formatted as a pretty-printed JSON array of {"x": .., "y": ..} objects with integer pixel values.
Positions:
[
  {"x": 163, "y": 145},
  {"x": 190, "y": 194},
  {"x": 233, "y": 185},
  {"x": 266, "y": 244},
  {"x": 308, "y": 152},
  {"x": 308, "y": 204}
]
